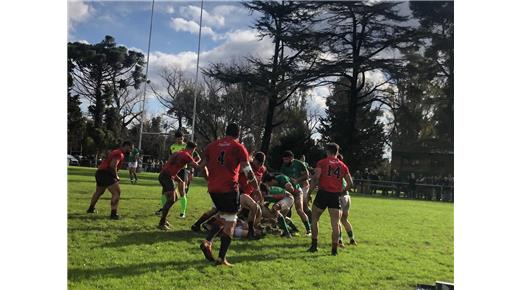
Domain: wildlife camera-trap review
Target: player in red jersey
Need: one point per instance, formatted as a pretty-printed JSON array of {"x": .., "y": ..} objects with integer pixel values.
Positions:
[
  {"x": 247, "y": 190},
  {"x": 107, "y": 177},
  {"x": 222, "y": 161},
  {"x": 175, "y": 163},
  {"x": 329, "y": 174}
]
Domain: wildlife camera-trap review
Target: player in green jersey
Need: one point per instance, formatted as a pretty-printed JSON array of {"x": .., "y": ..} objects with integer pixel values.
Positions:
[
  {"x": 132, "y": 160},
  {"x": 284, "y": 182},
  {"x": 297, "y": 171},
  {"x": 282, "y": 200},
  {"x": 345, "y": 203}
]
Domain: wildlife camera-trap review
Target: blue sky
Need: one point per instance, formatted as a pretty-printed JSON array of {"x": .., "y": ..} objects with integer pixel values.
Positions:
[{"x": 226, "y": 32}]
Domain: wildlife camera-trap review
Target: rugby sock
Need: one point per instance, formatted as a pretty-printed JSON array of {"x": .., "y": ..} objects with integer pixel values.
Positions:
[
  {"x": 307, "y": 226},
  {"x": 340, "y": 239},
  {"x": 314, "y": 243},
  {"x": 163, "y": 200},
  {"x": 350, "y": 235},
  {"x": 225, "y": 241},
  {"x": 166, "y": 209},
  {"x": 283, "y": 225},
  {"x": 202, "y": 219},
  {"x": 215, "y": 229},
  {"x": 251, "y": 229},
  {"x": 291, "y": 224},
  {"x": 184, "y": 204}
]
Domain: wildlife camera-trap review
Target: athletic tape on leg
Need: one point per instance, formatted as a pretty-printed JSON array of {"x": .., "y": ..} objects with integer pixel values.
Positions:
[{"x": 229, "y": 217}]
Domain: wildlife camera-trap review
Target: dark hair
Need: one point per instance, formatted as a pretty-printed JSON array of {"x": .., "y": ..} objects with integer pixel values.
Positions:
[
  {"x": 287, "y": 153},
  {"x": 191, "y": 145},
  {"x": 260, "y": 157},
  {"x": 178, "y": 134},
  {"x": 233, "y": 130},
  {"x": 332, "y": 148},
  {"x": 127, "y": 143},
  {"x": 267, "y": 177}
]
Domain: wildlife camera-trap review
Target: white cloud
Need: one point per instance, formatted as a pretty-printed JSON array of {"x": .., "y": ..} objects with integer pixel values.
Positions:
[
  {"x": 181, "y": 24},
  {"x": 193, "y": 12},
  {"x": 170, "y": 9},
  {"x": 78, "y": 12}
]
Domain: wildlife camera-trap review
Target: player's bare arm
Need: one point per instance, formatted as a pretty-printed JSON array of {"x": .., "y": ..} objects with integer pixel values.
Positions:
[{"x": 315, "y": 179}]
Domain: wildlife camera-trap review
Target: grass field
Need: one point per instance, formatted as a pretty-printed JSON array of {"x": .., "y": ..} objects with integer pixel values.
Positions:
[{"x": 401, "y": 243}]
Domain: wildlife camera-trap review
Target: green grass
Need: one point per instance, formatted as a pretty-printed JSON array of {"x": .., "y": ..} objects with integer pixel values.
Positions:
[{"x": 401, "y": 243}]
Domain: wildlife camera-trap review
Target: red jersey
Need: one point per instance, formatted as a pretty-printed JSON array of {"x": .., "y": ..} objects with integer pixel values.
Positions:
[
  {"x": 179, "y": 159},
  {"x": 246, "y": 187},
  {"x": 223, "y": 159},
  {"x": 117, "y": 155},
  {"x": 333, "y": 171}
]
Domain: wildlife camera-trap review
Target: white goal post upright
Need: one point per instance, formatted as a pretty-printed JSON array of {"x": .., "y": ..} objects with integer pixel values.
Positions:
[
  {"x": 197, "y": 76},
  {"x": 145, "y": 79}
]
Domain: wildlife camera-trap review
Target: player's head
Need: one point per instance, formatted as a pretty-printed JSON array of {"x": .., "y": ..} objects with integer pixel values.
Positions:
[
  {"x": 269, "y": 179},
  {"x": 233, "y": 130},
  {"x": 287, "y": 157},
  {"x": 259, "y": 158},
  {"x": 179, "y": 137},
  {"x": 191, "y": 146},
  {"x": 302, "y": 158},
  {"x": 332, "y": 149},
  {"x": 127, "y": 146}
]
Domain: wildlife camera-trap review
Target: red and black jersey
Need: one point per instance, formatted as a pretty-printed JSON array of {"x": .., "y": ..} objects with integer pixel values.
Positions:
[
  {"x": 177, "y": 161},
  {"x": 245, "y": 187},
  {"x": 333, "y": 171},
  {"x": 223, "y": 159},
  {"x": 117, "y": 155}
]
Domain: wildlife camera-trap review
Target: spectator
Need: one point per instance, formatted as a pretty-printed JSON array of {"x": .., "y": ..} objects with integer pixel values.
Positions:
[
  {"x": 366, "y": 181},
  {"x": 411, "y": 185}
]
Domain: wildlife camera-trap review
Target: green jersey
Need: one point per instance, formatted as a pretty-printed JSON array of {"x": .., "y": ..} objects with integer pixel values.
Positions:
[
  {"x": 177, "y": 147},
  {"x": 294, "y": 170},
  {"x": 275, "y": 194},
  {"x": 132, "y": 156},
  {"x": 282, "y": 180}
]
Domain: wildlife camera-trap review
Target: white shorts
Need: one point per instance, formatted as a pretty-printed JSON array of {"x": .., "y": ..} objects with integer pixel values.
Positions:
[
  {"x": 132, "y": 164},
  {"x": 344, "y": 202},
  {"x": 286, "y": 203}
]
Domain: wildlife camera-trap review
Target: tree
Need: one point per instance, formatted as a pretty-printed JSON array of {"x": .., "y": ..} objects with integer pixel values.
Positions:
[
  {"x": 436, "y": 31},
  {"x": 365, "y": 146},
  {"x": 360, "y": 39},
  {"x": 288, "y": 24},
  {"x": 75, "y": 121},
  {"x": 104, "y": 74}
]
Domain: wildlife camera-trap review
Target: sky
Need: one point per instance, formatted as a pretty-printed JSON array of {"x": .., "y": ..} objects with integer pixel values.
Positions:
[{"x": 227, "y": 35}]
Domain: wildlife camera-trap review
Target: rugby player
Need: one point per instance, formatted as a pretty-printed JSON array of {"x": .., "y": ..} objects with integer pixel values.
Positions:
[
  {"x": 284, "y": 182},
  {"x": 107, "y": 178},
  {"x": 282, "y": 200},
  {"x": 169, "y": 172},
  {"x": 345, "y": 203},
  {"x": 222, "y": 161},
  {"x": 328, "y": 175},
  {"x": 247, "y": 189},
  {"x": 133, "y": 162},
  {"x": 297, "y": 171}
]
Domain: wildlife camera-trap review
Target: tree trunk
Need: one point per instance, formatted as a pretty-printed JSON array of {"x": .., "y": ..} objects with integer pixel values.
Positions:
[{"x": 268, "y": 128}]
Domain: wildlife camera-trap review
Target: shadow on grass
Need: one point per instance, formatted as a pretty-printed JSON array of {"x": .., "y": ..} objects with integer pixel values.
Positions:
[
  {"x": 78, "y": 275},
  {"x": 152, "y": 237}
]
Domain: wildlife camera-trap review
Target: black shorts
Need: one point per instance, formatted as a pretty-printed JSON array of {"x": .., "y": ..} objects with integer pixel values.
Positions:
[
  {"x": 166, "y": 182},
  {"x": 105, "y": 178},
  {"x": 326, "y": 199},
  {"x": 226, "y": 202},
  {"x": 183, "y": 174}
]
